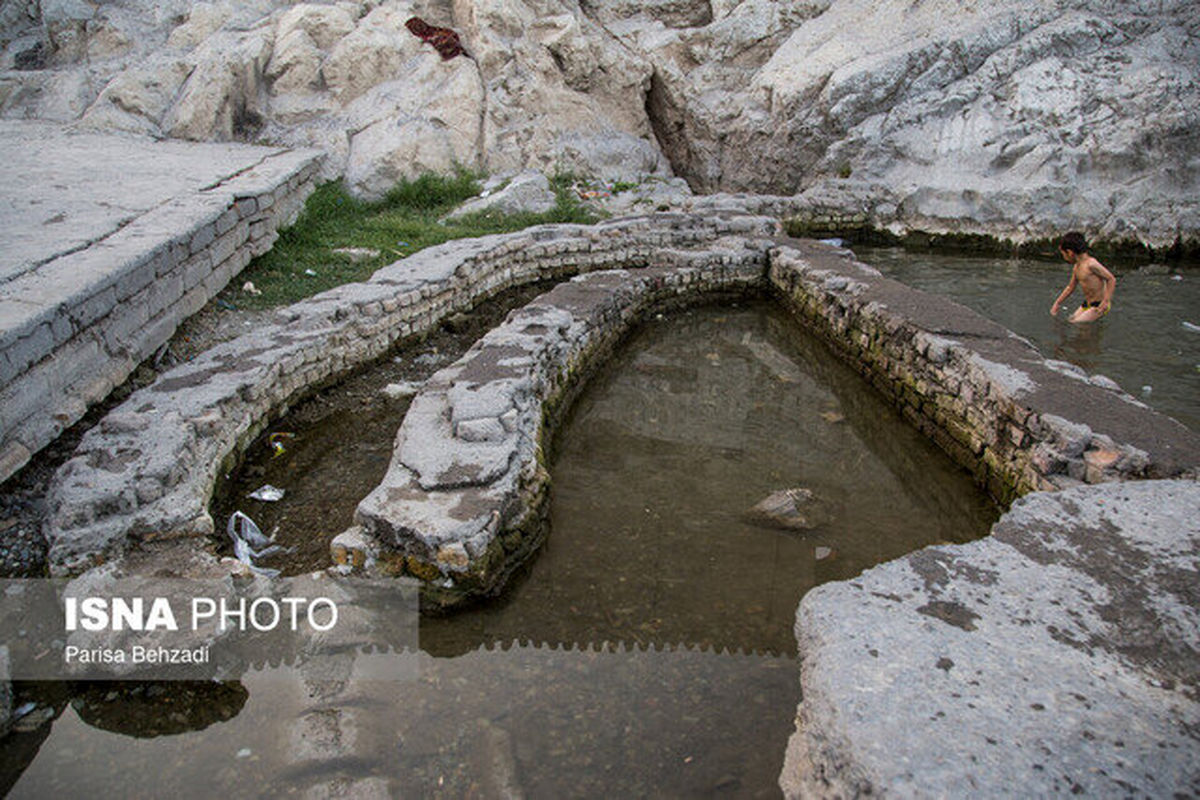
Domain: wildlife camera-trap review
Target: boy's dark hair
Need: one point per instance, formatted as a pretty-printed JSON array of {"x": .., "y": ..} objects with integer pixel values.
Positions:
[{"x": 1074, "y": 242}]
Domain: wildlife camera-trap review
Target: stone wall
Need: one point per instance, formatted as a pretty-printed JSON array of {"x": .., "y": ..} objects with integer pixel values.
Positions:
[
  {"x": 77, "y": 326},
  {"x": 148, "y": 469},
  {"x": 463, "y": 501},
  {"x": 1019, "y": 422}
]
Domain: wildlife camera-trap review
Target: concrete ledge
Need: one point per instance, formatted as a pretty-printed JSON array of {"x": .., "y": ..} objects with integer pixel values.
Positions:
[
  {"x": 462, "y": 503},
  {"x": 1059, "y": 655},
  {"x": 1020, "y": 422},
  {"x": 148, "y": 469},
  {"x": 76, "y": 325}
]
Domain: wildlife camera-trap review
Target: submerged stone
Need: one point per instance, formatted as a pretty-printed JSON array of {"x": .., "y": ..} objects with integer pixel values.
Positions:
[{"x": 794, "y": 509}]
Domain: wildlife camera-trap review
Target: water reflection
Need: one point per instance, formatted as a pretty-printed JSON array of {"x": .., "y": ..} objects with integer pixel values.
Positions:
[
  {"x": 1081, "y": 345},
  {"x": 695, "y": 421},
  {"x": 161, "y": 708},
  {"x": 648, "y": 650}
]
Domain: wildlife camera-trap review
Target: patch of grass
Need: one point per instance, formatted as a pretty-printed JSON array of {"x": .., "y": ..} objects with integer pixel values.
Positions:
[{"x": 303, "y": 262}]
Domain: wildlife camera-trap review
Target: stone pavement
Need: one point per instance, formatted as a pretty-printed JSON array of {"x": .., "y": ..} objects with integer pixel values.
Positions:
[{"x": 108, "y": 243}]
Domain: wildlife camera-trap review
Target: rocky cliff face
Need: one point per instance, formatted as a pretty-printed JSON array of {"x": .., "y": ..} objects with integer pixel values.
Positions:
[{"x": 1015, "y": 119}]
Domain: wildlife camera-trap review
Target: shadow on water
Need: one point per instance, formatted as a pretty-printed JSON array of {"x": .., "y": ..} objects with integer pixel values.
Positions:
[{"x": 647, "y": 649}]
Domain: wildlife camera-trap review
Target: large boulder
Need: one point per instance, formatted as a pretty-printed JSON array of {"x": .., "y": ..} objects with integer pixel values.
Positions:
[
  {"x": 375, "y": 52},
  {"x": 138, "y": 98},
  {"x": 430, "y": 122},
  {"x": 1059, "y": 655},
  {"x": 1012, "y": 119},
  {"x": 528, "y": 192},
  {"x": 221, "y": 96}
]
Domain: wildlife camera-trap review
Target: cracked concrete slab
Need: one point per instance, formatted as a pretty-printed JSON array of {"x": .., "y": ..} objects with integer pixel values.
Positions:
[
  {"x": 108, "y": 243},
  {"x": 62, "y": 191}
]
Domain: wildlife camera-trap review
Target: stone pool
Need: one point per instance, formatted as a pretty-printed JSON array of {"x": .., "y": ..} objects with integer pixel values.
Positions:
[
  {"x": 583, "y": 694},
  {"x": 648, "y": 647},
  {"x": 1149, "y": 344}
]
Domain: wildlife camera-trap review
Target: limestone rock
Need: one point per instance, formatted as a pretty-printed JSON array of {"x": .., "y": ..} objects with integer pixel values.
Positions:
[
  {"x": 790, "y": 509},
  {"x": 137, "y": 99},
  {"x": 221, "y": 95},
  {"x": 203, "y": 20},
  {"x": 1012, "y": 119},
  {"x": 1058, "y": 655},
  {"x": 295, "y": 62},
  {"x": 431, "y": 124},
  {"x": 372, "y": 54},
  {"x": 325, "y": 25},
  {"x": 528, "y": 192}
]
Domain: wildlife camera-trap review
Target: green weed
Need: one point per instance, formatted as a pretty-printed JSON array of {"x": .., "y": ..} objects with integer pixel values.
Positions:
[{"x": 303, "y": 261}]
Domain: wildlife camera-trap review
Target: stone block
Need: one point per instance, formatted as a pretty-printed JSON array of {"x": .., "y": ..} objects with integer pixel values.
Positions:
[
  {"x": 31, "y": 348},
  {"x": 249, "y": 206},
  {"x": 202, "y": 238}
]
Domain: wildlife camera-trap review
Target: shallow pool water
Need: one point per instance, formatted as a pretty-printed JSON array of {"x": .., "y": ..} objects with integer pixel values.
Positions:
[
  {"x": 646, "y": 651},
  {"x": 1149, "y": 343}
]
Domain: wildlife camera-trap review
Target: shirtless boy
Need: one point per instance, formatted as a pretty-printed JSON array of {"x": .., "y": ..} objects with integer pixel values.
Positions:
[{"x": 1090, "y": 275}]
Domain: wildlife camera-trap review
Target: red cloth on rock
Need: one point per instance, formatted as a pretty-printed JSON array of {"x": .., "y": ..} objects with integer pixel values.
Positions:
[{"x": 444, "y": 40}]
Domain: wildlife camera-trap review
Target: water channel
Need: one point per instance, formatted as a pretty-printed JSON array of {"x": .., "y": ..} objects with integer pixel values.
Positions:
[{"x": 646, "y": 650}]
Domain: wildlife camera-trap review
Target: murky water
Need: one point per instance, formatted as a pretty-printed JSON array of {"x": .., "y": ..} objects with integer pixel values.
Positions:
[
  {"x": 1143, "y": 342},
  {"x": 655, "y": 651}
]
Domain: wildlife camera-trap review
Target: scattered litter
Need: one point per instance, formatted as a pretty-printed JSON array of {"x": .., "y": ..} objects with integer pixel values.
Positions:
[
  {"x": 249, "y": 288},
  {"x": 225, "y": 304},
  {"x": 275, "y": 441},
  {"x": 399, "y": 391},
  {"x": 244, "y": 752},
  {"x": 250, "y": 543},
  {"x": 1191, "y": 327},
  {"x": 33, "y": 719},
  {"x": 833, "y": 417},
  {"x": 1147, "y": 389},
  {"x": 357, "y": 254},
  {"x": 836, "y": 242},
  {"x": 23, "y": 709},
  {"x": 823, "y": 553},
  {"x": 1176, "y": 277},
  {"x": 311, "y": 272},
  {"x": 267, "y": 493},
  {"x": 402, "y": 243}
]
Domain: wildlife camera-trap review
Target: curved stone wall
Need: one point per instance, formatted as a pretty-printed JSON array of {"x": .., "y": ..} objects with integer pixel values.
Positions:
[
  {"x": 462, "y": 503},
  {"x": 955, "y": 642},
  {"x": 147, "y": 471},
  {"x": 1020, "y": 422}
]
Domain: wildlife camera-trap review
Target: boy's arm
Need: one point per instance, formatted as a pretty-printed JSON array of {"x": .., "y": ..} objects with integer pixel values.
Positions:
[
  {"x": 1065, "y": 294},
  {"x": 1110, "y": 283}
]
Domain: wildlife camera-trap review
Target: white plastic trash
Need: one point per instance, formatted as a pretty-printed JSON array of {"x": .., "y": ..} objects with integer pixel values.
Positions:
[{"x": 267, "y": 493}]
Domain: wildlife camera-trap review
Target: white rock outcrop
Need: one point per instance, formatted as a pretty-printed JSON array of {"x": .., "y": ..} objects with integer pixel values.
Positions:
[{"x": 1013, "y": 118}]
